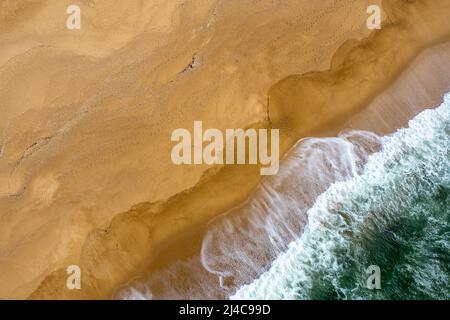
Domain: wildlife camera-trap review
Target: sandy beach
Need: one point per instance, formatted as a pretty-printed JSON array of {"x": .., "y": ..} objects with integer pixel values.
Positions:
[{"x": 85, "y": 170}]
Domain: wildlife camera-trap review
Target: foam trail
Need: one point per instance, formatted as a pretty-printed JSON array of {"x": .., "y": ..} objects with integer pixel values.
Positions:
[
  {"x": 241, "y": 244},
  {"x": 184, "y": 279},
  {"x": 394, "y": 215}
]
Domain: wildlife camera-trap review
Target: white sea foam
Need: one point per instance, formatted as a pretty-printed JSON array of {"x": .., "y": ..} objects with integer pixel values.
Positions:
[
  {"x": 413, "y": 164},
  {"x": 241, "y": 244},
  {"x": 289, "y": 236}
]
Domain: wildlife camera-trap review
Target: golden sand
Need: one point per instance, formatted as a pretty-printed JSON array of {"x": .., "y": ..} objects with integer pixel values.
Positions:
[{"x": 87, "y": 116}]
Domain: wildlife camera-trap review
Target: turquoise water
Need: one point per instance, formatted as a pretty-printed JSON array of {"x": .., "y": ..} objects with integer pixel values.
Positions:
[{"x": 395, "y": 215}]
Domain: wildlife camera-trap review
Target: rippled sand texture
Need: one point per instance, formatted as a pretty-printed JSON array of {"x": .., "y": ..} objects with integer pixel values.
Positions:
[{"x": 86, "y": 116}]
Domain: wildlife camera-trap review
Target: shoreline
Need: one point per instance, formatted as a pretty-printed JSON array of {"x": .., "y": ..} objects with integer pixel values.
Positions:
[
  {"x": 126, "y": 248},
  {"x": 400, "y": 92},
  {"x": 392, "y": 213},
  {"x": 91, "y": 138}
]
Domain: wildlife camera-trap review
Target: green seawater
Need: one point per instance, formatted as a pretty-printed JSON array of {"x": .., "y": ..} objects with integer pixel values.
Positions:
[{"x": 394, "y": 215}]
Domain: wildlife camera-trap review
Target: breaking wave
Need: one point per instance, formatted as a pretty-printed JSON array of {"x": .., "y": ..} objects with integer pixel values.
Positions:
[
  {"x": 337, "y": 206},
  {"x": 394, "y": 215}
]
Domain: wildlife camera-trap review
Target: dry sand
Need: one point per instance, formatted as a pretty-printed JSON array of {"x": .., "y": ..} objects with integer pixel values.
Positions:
[{"x": 86, "y": 116}]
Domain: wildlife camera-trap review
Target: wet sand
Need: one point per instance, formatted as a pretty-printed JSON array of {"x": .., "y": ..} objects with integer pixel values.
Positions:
[
  {"x": 420, "y": 86},
  {"x": 74, "y": 163}
]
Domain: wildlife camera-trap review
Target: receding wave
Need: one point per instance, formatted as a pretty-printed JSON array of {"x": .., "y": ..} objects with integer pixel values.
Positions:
[
  {"x": 337, "y": 206},
  {"x": 394, "y": 215},
  {"x": 241, "y": 245}
]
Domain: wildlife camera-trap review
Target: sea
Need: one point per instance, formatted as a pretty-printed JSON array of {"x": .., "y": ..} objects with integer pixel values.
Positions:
[{"x": 343, "y": 213}]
